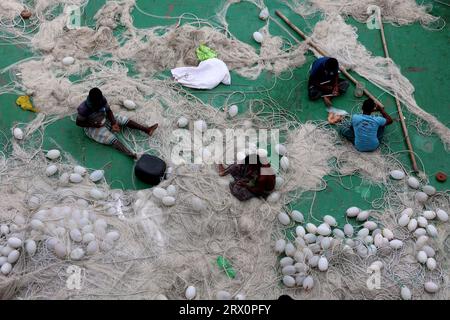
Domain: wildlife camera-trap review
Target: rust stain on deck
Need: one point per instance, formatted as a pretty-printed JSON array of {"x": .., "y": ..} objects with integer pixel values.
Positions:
[
  {"x": 415, "y": 69},
  {"x": 171, "y": 7}
]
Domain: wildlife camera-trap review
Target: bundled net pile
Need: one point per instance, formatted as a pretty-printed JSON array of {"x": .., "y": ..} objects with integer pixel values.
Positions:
[
  {"x": 177, "y": 48},
  {"x": 9, "y": 9},
  {"x": 399, "y": 12},
  {"x": 144, "y": 245}
]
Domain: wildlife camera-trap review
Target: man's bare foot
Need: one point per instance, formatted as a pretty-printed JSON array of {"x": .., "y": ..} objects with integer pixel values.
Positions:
[{"x": 152, "y": 129}]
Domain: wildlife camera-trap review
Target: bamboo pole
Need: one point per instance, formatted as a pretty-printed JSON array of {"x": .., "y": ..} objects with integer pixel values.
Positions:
[
  {"x": 397, "y": 102},
  {"x": 323, "y": 53}
]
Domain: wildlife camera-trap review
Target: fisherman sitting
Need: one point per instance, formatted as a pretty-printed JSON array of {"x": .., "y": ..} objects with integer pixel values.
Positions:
[
  {"x": 253, "y": 178},
  {"x": 324, "y": 81},
  {"x": 365, "y": 131},
  {"x": 100, "y": 124}
]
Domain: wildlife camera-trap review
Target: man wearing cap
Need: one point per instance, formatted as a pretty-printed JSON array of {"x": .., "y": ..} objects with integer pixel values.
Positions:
[{"x": 324, "y": 81}]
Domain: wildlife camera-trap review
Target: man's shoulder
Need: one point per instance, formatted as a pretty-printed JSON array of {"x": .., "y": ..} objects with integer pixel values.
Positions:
[
  {"x": 358, "y": 117},
  {"x": 82, "y": 108},
  {"x": 322, "y": 59}
]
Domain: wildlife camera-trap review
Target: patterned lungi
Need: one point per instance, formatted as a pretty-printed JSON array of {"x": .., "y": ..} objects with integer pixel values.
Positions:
[{"x": 104, "y": 135}]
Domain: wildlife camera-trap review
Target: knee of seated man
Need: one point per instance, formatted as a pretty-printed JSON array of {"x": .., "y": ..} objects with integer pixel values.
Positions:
[
  {"x": 314, "y": 94},
  {"x": 343, "y": 86},
  {"x": 121, "y": 120}
]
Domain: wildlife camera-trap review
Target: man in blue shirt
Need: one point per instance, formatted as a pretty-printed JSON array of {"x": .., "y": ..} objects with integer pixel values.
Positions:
[
  {"x": 324, "y": 81},
  {"x": 365, "y": 130}
]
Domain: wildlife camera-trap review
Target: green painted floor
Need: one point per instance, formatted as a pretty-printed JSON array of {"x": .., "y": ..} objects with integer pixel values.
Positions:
[{"x": 422, "y": 55}]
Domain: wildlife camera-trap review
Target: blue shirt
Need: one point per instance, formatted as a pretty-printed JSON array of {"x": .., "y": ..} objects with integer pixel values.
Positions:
[
  {"x": 85, "y": 111},
  {"x": 97, "y": 115},
  {"x": 366, "y": 131},
  {"x": 317, "y": 72}
]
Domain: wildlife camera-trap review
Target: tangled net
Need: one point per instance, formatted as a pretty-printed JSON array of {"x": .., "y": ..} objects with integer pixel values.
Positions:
[
  {"x": 398, "y": 12},
  {"x": 163, "y": 249}
]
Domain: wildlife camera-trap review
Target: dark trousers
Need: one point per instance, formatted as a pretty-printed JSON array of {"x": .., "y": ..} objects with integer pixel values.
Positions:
[
  {"x": 348, "y": 132},
  {"x": 315, "y": 93}
]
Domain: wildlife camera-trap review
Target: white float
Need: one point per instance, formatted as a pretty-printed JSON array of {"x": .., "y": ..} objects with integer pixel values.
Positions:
[
  {"x": 182, "y": 122},
  {"x": 200, "y": 125},
  {"x": 258, "y": 37},
  {"x": 75, "y": 178},
  {"x": 397, "y": 174},
  {"x": 53, "y": 154},
  {"x": 51, "y": 170},
  {"x": 190, "y": 292},
  {"x": 284, "y": 218},
  {"x": 168, "y": 201},
  {"x": 442, "y": 215},
  {"x": 421, "y": 197},
  {"x": 80, "y": 170},
  {"x": 284, "y": 163},
  {"x": 353, "y": 212},
  {"x": 429, "y": 190},
  {"x": 280, "y": 149},
  {"x": 264, "y": 14},
  {"x": 96, "y": 175},
  {"x": 129, "y": 104},
  {"x": 233, "y": 111},
  {"x": 67, "y": 61},
  {"x": 413, "y": 183},
  {"x": 18, "y": 133}
]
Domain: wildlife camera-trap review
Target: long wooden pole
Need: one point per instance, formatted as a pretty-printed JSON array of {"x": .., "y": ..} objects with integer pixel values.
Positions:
[
  {"x": 323, "y": 53},
  {"x": 397, "y": 102}
]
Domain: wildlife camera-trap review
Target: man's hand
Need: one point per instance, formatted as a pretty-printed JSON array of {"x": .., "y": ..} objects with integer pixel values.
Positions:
[
  {"x": 242, "y": 183},
  {"x": 327, "y": 101},
  {"x": 115, "y": 127},
  {"x": 336, "y": 91}
]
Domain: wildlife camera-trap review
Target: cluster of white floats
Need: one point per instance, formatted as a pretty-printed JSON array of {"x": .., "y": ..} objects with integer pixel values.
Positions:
[
  {"x": 77, "y": 176},
  {"x": 422, "y": 194},
  {"x": 311, "y": 247},
  {"x": 67, "y": 232},
  {"x": 263, "y": 15},
  {"x": 167, "y": 196},
  {"x": 200, "y": 124},
  {"x": 11, "y": 245}
]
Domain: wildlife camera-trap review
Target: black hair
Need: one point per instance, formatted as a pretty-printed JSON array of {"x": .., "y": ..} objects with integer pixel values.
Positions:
[
  {"x": 332, "y": 65},
  {"x": 253, "y": 159},
  {"x": 368, "y": 106},
  {"x": 285, "y": 297},
  {"x": 96, "y": 98}
]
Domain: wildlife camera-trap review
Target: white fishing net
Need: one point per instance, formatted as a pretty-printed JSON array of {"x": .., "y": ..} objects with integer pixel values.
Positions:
[
  {"x": 9, "y": 9},
  {"x": 399, "y": 12}
]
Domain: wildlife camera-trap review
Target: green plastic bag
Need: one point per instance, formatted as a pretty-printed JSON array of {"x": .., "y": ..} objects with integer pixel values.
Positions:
[
  {"x": 205, "y": 53},
  {"x": 226, "y": 266}
]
